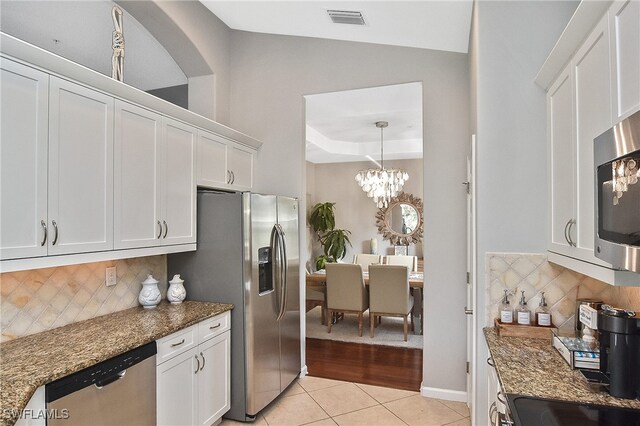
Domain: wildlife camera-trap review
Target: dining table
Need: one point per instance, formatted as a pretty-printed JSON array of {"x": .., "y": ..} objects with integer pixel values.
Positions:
[{"x": 416, "y": 283}]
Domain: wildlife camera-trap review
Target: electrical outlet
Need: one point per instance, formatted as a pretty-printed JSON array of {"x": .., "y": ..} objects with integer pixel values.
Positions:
[{"x": 110, "y": 278}]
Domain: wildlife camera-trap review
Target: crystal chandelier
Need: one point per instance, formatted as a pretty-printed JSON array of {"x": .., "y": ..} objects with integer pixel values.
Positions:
[
  {"x": 381, "y": 184},
  {"x": 625, "y": 172}
]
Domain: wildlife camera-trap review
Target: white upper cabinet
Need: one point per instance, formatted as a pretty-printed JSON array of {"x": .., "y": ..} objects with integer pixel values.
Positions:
[
  {"x": 592, "y": 75},
  {"x": 585, "y": 100},
  {"x": 137, "y": 190},
  {"x": 23, "y": 160},
  {"x": 212, "y": 160},
  {"x": 224, "y": 164},
  {"x": 240, "y": 163},
  {"x": 624, "y": 20},
  {"x": 179, "y": 183},
  {"x": 80, "y": 192},
  {"x": 562, "y": 162}
]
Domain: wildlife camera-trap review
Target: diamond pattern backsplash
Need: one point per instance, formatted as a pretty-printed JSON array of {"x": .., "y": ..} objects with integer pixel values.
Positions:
[
  {"x": 534, "y": 274},
  {"x": 42, "y": 299}
]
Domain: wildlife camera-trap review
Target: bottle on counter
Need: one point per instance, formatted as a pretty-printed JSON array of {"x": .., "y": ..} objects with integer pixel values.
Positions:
[
  {"x": 523, "y": 314},
  {"x": 506, "y": 311},
  {"x": 543, "y": 317}
]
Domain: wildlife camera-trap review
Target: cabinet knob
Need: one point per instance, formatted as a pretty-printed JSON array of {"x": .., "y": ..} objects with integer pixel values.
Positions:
[
  {"x": 203, "y": 362},
  {"x": 166, "y": 228}
]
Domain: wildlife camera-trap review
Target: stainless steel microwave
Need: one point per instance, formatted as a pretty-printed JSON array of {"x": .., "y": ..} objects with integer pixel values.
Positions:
[{"x": 617, "y": 194}]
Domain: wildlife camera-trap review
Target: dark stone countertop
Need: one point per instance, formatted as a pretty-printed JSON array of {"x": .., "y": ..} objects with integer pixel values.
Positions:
[
  {"x": 29, "y": 362},
  {"x": 532, "y": 367}
]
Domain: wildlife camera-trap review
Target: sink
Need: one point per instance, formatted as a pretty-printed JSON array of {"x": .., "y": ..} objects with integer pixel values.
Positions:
[{"x": 530, "y": 411}]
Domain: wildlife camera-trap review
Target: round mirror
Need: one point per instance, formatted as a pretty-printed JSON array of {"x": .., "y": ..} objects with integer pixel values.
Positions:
[{"x": 401, "y": 221}]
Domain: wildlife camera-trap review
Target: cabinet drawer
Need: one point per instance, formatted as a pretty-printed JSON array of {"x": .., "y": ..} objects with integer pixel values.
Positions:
[
  {"x": 176, "y": 343},
  {"x": 213, "y": 326}
]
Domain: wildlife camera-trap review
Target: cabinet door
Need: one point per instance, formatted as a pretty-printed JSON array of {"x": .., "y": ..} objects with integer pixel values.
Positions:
[
  {"x": 179, "y": 183},
  {"x": 80, "y": 196},
  {"x": 138, "y": 138},
  {"x": 561, "y": 161},
  {"x": 24, "y": 96},
  {"x": 214, "y": 381},
  {"x": 212, "y": 161},
  {"x": 240, "y": 164},
  {"x": 176, "y": 390},
  {"x": 624, "y": 20},
  {"x": 593, "y": 116}
]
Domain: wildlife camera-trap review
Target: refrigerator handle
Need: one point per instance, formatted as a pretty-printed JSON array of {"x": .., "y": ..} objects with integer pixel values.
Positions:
[
  {"x": 275, "y": 256},
  {"x": 282, "y": 246}
]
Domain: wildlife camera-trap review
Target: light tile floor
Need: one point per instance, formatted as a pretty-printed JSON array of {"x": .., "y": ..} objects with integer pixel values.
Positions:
[{"x": 319, "y": 402}]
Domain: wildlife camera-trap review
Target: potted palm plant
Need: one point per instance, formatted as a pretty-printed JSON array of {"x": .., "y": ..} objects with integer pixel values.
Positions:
[{"x": 333, "y": 241}]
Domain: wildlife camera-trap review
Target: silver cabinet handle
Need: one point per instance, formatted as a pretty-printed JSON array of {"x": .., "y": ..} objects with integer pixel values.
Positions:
[
  {"x": 55, "y": 235},
  {"x": 468, "y": 311},
  {"x": 228, "y": 177},
  {"x": 490, "y": 362},
  {"x": 166, "y": 229},
  {"x": 566, "y": 226},
  {"x": 159, "y": 230},
  {"x": 198, "y": 367},
  {"x": 173, "y": 345},
  {"x": 44, "y": 228},
  {"x": 571, "y": 242},
  {"x": 501, "y": 398},
  {"x": 203, "y": 362},
  {"x": 233, "y": 177},
  {"x": 215, "y": 326}
]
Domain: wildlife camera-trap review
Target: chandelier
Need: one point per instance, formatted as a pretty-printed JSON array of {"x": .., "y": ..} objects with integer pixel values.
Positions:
[
  {"x": 381, "y": 184},
  {"x": 625, "y": 172}
]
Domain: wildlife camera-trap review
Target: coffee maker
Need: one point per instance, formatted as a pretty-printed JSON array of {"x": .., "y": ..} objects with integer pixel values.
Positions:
[{"x": 619, "y": 331}]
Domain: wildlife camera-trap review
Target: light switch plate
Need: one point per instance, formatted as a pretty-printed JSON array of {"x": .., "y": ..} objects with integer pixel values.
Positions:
[{"x": 110, "y": 278}]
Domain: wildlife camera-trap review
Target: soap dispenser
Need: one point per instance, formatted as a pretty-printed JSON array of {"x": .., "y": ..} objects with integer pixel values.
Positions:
[
  {"x": 522, "y": 312},
  {"x": 543, "y": 317},
  {"x": 506, "y": 311}
]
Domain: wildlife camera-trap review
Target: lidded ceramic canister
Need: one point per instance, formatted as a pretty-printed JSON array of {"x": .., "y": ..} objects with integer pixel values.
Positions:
[
  {"x": 176, "y": 292},
  {"x": 150, "y": 294}
]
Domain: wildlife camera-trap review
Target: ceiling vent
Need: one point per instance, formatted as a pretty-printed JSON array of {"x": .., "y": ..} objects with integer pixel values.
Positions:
[{"x": 346, "y": 17}]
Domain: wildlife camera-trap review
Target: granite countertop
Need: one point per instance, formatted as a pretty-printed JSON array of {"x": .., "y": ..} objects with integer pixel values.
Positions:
[
  {"x": 29, "y": 362},
  {"x": 533, "y": 367}
]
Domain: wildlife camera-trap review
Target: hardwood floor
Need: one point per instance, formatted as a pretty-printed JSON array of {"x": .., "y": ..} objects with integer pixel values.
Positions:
[{"x": 399, "y": 368}]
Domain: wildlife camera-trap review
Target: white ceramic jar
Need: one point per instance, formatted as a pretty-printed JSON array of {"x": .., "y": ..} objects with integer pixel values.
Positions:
[
  {"x": 176, "y": 292},
  {"x": 149, "y": 296}
]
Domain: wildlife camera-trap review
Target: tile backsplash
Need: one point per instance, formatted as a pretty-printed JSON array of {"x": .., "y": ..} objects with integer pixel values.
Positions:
[
  {"x": 42, "y": 299},
  {"x": 534, "y": 274}
]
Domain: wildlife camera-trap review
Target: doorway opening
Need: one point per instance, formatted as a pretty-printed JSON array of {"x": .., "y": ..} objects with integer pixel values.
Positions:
[{"x": 342, "y": 139}]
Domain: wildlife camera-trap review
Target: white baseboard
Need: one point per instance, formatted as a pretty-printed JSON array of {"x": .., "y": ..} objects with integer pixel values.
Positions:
[
  {"x": 446, "y": 394},
  {"x": 303, "y": 371}
]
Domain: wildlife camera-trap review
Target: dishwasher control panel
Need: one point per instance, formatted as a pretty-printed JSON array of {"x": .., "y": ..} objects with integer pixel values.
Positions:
[{"x": 101, "y": 374}]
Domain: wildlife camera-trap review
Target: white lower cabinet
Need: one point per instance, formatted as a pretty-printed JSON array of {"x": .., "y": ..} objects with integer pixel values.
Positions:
[{"x": 194, "y": 384}]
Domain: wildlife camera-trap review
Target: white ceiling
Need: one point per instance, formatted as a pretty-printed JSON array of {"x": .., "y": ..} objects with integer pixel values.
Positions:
[
  {"x": 341, "y": 125},
  {"x": 83, "y": 30},
  {"x": 428, "y": 24}
]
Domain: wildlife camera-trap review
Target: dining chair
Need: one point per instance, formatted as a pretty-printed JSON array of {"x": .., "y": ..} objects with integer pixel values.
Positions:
[
  {"x": 364, "y": 260},
  {"x": 389, "y": 294},
  {"x": 316, "y": 296},
  {"x": 346, "y": 292},
  {"x": 410, "y": 262}
]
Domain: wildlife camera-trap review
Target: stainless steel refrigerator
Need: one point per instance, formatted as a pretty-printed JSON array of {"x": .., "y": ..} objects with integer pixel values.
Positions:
[{"x": 247, "y": 254}]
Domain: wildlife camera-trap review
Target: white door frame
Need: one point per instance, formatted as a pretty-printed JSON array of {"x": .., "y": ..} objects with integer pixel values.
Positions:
[{"x": 472, "y": 279}]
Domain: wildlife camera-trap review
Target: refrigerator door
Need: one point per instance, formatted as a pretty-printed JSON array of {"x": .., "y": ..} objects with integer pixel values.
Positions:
[
  {"x": 290, "y": 321},
  {"x": 261, "y": 307}
]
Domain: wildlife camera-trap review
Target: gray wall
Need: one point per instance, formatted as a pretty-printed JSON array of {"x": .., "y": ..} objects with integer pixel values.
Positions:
[
  {"x": 510, "y": 41},
  {"x": 271, "y": 74},
  {"x": 178, "y": 95},
  {"x": 335, "y": 182}
]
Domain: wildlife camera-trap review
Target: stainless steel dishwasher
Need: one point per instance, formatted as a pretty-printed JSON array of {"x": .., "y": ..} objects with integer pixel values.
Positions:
[{"x": 118, "y": 391}]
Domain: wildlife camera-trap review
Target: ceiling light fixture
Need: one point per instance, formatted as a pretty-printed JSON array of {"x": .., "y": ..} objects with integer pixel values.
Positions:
[{"x": 381, "y": 184}]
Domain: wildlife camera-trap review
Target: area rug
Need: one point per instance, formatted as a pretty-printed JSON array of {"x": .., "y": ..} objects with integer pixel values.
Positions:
[{"x": 389, "y": 333}]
